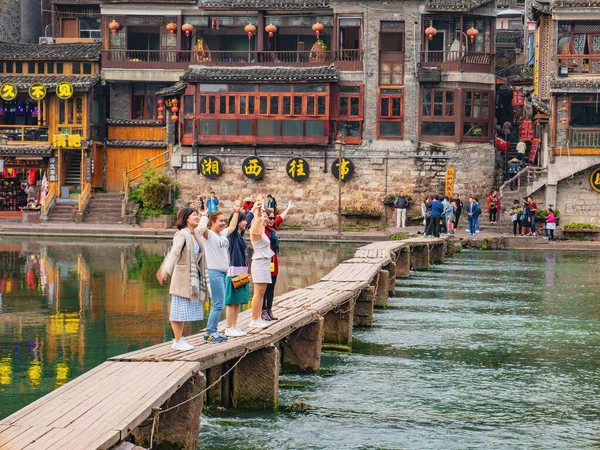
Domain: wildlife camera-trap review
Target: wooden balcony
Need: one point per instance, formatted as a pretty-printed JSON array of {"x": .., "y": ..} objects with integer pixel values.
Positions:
[
  {"x": 348, "y": 60},
  {"x": 580, "y": 64},
  {"x": 454, "y": 61},
  {"x": 584, "y": 138}
]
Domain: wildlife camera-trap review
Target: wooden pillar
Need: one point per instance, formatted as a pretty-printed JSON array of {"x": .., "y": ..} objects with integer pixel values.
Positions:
[
  {"x": 337, "y": 331},
  {"x": 391, "y": 268},
  {"x": 214, "y": 395},
  {"x": 381, "y": 292},
  {"x": 302, "y": 349},
  {"x": 403, "y": 263},
  {"x": 256, "y": 379},
  {"x": 180, "y": 427},
  {"x": 437, "y": 252},
  {"x": 419, "y": 257},
  {"x": 363, "y": 308}
]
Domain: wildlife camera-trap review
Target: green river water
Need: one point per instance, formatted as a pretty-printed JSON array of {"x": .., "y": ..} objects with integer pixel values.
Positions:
[{"x": 491, "y": 350}]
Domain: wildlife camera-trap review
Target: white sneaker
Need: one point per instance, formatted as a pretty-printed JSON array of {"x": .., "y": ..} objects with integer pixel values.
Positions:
[
  {"x": 241, "y": 332},
  {"x": 234, "y": 332},
  {"x": 181, "y": 345},
  {"x": 258, "y": 323}
]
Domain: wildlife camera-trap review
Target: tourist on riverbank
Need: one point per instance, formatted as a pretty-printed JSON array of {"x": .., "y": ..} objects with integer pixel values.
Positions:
[
  {"x": 515, "y": 214},
  {"x": 212, "y": 203},
  {"x": 447, "y": 215},
  {"x": 261, "y": 262},
  {"x": 550, "y": 225},
  {"x": 238, "y": 265},
  {"x": 477, "y": 214},
  {"x": 426, "y": 212},
  {"x": 494, "y": 206},
  {"x": 271, "y": 203},
  {"x": 532, "y": 212},
  {"x": 458, "y": 210},
  {"x": 472, "y": 208},
  {"x": 401, "y": 205},
  {"x": 189, "y": 283},
  {"x": 248, "y": 204},
  {"x": 214, "y": 232},
  {"x": 436, "y": 216},
  {"x": 526, "y": 219}
]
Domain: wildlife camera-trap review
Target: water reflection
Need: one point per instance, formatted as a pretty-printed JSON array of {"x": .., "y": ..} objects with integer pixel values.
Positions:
[{"x": 67, "y": 306}]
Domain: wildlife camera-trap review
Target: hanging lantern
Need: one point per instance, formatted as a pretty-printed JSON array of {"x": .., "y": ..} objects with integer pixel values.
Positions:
[
  {"x": 564, "y": 108},
  {"x": 174, "y": 109},
  {"x": 501, "y": 22},
  {"x": 430, "y": 32},
  {"x": 172, "y": 27},
  {"x": 161, "y": 101},
  {"x": 564, "y": 102},
  {"x": 472, "y": 32},
  {"x": 250, "y": 29},
  {"x": 174, "y": 118},
  {"x": 161, "y": 109},
  {"x": 563, "y": 120},
  {"x": 271, "y": 29},
  {"x": 114, "y": 26},
  {"x": 175, "y": 102},
  {"x": 317, "y": 28},
  {"x": 161, "y": 117},
  {"x": 188, "y": 28}
]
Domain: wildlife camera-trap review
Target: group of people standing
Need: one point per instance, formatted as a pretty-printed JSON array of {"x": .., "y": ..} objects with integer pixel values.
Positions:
[
  {"x": 207, "y": 254},
  {"x": 523, "y": 217},
  {"x": 441, "y": 214}
]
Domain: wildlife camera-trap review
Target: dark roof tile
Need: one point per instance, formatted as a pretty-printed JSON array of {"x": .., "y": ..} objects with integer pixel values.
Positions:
[
  {"x": 50, "y": 81},
  {"x": 261, "y": 4},
  {"x": 575, "y": 84},
  {"x": 454, "y": 5},
  {"x": 135, "y": 123},
  {"x": 25, "y": 150},
  {"x": 261, "y": 74},
  {"x": 136, "y": 144},
  {"x": 59, "y": 52},
  {"x": 177, "y": 88}
]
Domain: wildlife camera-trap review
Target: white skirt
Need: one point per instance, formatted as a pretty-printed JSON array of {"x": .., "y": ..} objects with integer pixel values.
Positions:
[{"x": 261, "y": 270}]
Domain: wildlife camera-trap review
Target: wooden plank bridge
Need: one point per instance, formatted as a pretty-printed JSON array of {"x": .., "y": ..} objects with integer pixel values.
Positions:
[{"x": 131, "y": 394}]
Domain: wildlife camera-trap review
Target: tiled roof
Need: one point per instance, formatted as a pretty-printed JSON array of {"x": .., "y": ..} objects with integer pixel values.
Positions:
[
  {"x": 59, "y": 52},
  {"x": 177, "y": 88},
  {"x": 575, "y": 84},
  {"x": 576, "y": 4},
  {"x": 540, "y": 6},
  {"x": 454, "y": 5},
  {"x": 261, "y": 74},
  {"x": 262, "y": 4},
  {"x": 50, "y": 81},
  {"x": 25, "y": 150},
  {"x": 136, "y": 144},
  {"x": 135, "y": 123}
]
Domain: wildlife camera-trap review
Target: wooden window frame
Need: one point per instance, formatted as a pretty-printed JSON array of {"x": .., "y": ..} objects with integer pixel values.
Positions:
[
  {"x": 145, "y": 99},
  {"x": 469, "y": 119},
  {"x": 339, "y": 116},
  {"x": 381, "y": 118},
  {"x": 73, "y": 125},
  {"x": 444, "y": 118}
]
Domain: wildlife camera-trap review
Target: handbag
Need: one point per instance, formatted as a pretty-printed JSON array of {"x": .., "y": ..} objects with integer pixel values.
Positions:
[{"x": 240, "y": 280}]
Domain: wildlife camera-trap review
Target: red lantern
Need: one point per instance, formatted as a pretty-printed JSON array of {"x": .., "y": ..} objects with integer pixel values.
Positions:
[
  {"x": 174, "y": 109},
  {"x": 472, "y": 32},
  {"x": 161, "y": 109},
  {"x": 563, "y": 120},
  {"x": 271, "y": 29},
  {"x": 564, "y": 102},
  {"x": 161, "y": 101},
  {"x": 114, "y": 26},
  {"x": 174, "y": 118},
  {"x": 161, "y": 117},
  {"x": 430, "y": 32},
  {"x": 250, "y": 29},
  {"x": 317, "y": 28},
  {"x": 175, "y": 102},
  {"x": 188, "y": 28},
  {"x": 172, "y": 27},
  {"x": 501, "y": 22}
]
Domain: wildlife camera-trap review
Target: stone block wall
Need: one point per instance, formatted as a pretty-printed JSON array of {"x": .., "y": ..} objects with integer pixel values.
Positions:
[
  {"x": 577, "y": 201},
  {"x": 10, "y": 21},
  {"x": 120, "y": 101}
]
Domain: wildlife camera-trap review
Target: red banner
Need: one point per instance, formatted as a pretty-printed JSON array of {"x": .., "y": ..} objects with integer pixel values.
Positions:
[
  {"x": 518, "y": 99},
  {"x": 526, "y": 130},
  {"x": 535, "y": 143},
  {"x": 502, "y": 145}
]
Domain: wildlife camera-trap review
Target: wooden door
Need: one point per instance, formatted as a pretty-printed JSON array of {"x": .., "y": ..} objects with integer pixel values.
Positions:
[{"x": 69, "y": 27}]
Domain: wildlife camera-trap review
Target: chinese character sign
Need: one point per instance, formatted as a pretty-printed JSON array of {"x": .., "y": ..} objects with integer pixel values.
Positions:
[
  {"x": 66, "y": 140},
  {"x": 450, "y": 181},
  {"x": 64, "y": 90},
  {"x": 595, "y": 179},
  {"x": 37, "y": 91},
  {"x": 518, "y": 99},
  {"x": 8, "y": 91},
  {"x": 342, "y": 171},
  {"x": 297, "y": 169},
  {"x": 526, "y": 130},
  {"x": 210, "y": 167},
  {"x": 535, "y": 143},
  {"x": 253, "y": 167}
]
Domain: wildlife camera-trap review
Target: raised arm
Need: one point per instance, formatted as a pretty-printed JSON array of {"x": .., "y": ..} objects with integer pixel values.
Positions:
[
  {"x": 287, "y": 210},
  {"x": 233, "y": 223},
  {"x": 258, "y": 223}
]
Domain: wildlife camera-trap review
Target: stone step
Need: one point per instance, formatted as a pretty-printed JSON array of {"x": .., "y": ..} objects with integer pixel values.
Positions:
[{"x": 108, "y": 208}]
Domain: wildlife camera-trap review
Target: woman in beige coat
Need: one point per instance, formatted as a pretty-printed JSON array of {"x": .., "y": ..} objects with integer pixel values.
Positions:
[{"x": 186, "y": 264}]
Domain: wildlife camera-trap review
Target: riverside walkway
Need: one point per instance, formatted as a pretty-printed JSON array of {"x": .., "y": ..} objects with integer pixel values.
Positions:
[{"x": 156, "y": 395}]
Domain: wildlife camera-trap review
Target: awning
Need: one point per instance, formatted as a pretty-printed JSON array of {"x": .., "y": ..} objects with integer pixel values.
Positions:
[
  {"x": 25, "y": 150},
  {"x": 262, "y": 74},
  {"x": 50, "y": 81}
]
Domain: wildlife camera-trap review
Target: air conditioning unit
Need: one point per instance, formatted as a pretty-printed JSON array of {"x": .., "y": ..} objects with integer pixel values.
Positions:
[{"x": 45, "y": 40}]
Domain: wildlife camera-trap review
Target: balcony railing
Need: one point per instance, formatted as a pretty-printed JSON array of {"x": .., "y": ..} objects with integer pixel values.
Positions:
[
  {"x": 350, "y": 60},
  {"x": 584, "y": 138},
  {"x": 580, "y": 64},
  {"x": 453, "y": 61},
  {"x": 17, "y": 133}
]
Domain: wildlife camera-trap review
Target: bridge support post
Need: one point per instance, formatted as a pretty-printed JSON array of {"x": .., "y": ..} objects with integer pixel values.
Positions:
[
  {"x": 437, "y": 253},
  {"x": 214, "y": 395},
  {"x": 180, "y": 427},
  {"x": 391, "y": 268},
  {"x": 256, "y": 379},
  {"x": 363, "y": 308},
  {"x": 403, "y": 263},
  {"x": 382, "y": 289},
  {"x": 419, "y": 257},
  {"x": 337, "y": 331},
  {"x": 302, "y": 350}
]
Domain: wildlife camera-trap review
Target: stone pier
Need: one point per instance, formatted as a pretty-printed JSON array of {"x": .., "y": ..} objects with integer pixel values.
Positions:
[
  {"x": 437, "y": 253},
  {"x": 256, "y": 379},
  {"x": 420, "y": 257},
  {"x": 382, "y": 289},
  {"x": 337, "y": 331},
  {"x": 403, "y": 263},
  {"x": 391, "y": 268},
  {"x": 363, "y": 309},
  {"x": 302, "y": 349}
]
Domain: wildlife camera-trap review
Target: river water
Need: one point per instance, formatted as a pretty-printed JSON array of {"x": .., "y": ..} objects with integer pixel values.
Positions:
[{"x": 490, "y": 350}]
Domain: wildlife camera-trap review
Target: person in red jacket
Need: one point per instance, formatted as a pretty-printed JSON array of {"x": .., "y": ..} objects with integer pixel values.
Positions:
[{"x": 494, "y": 206}]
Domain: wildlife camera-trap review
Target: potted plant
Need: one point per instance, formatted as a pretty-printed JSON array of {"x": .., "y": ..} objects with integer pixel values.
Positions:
[
  {"x": 580, "y": 230},
  {"x": 362, "y": 211},
  {"x": 388, "y": 200},
  {"x": 156, "y": 193}
]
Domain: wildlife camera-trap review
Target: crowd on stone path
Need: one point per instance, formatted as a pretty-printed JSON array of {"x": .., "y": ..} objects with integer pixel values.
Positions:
[{"x": 209, "y": 259}]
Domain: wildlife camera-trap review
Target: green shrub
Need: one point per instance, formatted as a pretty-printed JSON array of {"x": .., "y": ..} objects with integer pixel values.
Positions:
[
  {"x": 580, "y": 226},
  {"x": 135, "y": 195},
  {"x": 543, "y": 213},
  {"x": 155, "y": 188}
]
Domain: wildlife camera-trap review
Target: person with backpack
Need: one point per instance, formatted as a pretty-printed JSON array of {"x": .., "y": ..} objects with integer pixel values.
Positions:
[
  {"x": 271, "y": 203},
  {"x": 437, "y": 209},
  {"x": 401, "y": 205},
  {"x": 458, "y": 210},
  {"x": 515, "y": 214},
  {"x": 494, "y": 206}
]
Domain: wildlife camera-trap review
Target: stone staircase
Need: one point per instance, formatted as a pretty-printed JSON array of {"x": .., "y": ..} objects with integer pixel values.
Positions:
[
  {"x": 63, "y": 211},
  {"x": 525, "y": 183},
  {"x": 104, "y": 208},
  {"x": 74, "y": 173}
]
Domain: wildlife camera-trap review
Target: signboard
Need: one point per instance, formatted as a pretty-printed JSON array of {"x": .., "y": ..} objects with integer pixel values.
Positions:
[
  {"x": 52, "y": 170},
  {"x": 449, "y": 181},
  {"x": 253, "y": 167},
  {"x": 8, "y": 91},
  {"x": 595, "y": 179},
  {"x": 297, "y": 169},
  {"x": 536, "y": 66},
  {"x": 38, "y": 163},
  {"x": 66, "y": 140},
  {"x": 518, "y": 99},
  {"x": 88, "y": 169},
  {"x": 37, "y": 91},
  {"x": 343, "y": 171},
  {"x": 210, "y": 167},
  {"x": 535, "y": 143},
  {"x": 526, "y": 130},
  {"x": 64, "y": 90}
]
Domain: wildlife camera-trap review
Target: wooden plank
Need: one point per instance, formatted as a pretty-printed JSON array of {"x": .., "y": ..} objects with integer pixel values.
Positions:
[{"x": 24, "y": 439}]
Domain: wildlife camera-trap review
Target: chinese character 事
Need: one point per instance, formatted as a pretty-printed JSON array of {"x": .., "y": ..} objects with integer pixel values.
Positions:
[
  {"x": 253, "y": 167},
  {"x": 8, "y": 91},
  {"x": 210, "y": 167},
  {"x": 298, "y": 169},
  {"x": 342, "y": 170},
  {"x": 64, "y": 90},
  {"x": 595, "y": 179},
  {"x": 37, "y": 91}
]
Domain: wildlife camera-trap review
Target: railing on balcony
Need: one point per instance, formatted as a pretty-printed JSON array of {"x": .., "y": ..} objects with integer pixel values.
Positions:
[
  {"x": 350, "y": 60},
  {"x": 18, "y": 133},
  {"x": 580, "y": 64},
  {"x": 453, "y": 61},
  {"x": 584, "y": 138}
]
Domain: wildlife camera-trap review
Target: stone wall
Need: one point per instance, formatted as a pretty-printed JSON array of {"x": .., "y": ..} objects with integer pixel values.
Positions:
[
  {"x": 577, "y": 201},
  {"x": 120, "y": 101},
  {"x": 10, "y": 21}
]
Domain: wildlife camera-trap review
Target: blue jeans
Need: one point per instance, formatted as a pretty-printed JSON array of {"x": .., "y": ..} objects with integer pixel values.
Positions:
[
  {"x": 217, "y": 281},
  {"x": 532, "y": 223},
  {"x": 472, "y": 223}
]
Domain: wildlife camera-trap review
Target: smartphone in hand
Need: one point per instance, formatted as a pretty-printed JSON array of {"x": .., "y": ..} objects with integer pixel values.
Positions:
[{"x": 201, "y": 202}]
